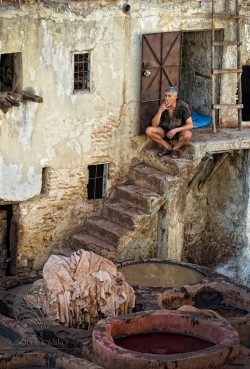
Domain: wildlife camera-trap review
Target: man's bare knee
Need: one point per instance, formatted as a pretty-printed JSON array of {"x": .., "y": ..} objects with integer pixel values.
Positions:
[
  {"x": 186, "y": 136},
  {"x": 148, "y": 131}
]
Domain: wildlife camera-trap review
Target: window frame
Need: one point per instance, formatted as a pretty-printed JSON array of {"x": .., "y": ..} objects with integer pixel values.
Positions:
[
  {"x": 104, "y": 178},
  {"x": 88, "y": 71}
]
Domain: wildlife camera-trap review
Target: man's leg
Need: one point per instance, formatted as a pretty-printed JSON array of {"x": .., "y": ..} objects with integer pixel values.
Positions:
[
  {"x": 157, "y": 135},
  {"x": 184, "y": 138}
]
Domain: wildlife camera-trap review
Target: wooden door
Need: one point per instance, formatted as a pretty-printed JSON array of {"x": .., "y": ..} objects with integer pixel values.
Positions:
[{"x": 161, "y": 61}]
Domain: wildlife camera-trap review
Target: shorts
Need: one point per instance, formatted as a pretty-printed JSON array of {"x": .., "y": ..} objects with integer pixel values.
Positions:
[{"x": 166, "y": 130}]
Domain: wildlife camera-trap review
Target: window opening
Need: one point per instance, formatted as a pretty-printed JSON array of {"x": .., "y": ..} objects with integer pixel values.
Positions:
[
  {"x": 81, "y": 72},
  {"x": 98, "y": 175},
  {"x": 45, "y": 181},
  {"x": 10, "y": 72},
  {"x": 245, "y": 80},
  {"x": 7, "y": 248},
  {"x": 6, "y": 72}
]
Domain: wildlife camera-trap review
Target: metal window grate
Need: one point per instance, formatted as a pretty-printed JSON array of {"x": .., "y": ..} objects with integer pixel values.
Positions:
[
  {"x": 81, "y": 71},
  {"x": 98, "y": 175}
]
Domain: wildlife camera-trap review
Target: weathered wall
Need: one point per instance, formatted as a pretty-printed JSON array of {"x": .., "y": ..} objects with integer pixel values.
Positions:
[
  {"x": 197, "y": 53},
  {"x": 68, "y": 131},
  {"x": 215, "y": 220}
]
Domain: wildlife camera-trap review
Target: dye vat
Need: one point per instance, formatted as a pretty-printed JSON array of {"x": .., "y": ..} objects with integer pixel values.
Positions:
[
  {"x": 43, "y": 359},
  {"x": 207, "y": 343},
  {"x": 162, "y": 343},
  {"x": 12, "y": 287},
  {"x": 160, "y": 274},
  {"x": 228, "y": 299},
  {"x": 8, "y": 338},
  {"x": 13, "y": 336}
]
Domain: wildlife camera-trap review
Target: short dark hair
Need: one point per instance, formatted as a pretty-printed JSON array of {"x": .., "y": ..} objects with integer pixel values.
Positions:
[{"x": 173, "y": 90}]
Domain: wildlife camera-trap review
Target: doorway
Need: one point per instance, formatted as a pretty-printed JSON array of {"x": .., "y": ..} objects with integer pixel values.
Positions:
[
  {"x": 7, "y": 247},
  {"x": 180, "y": 59},
  {"x": 245, "y": 79}
]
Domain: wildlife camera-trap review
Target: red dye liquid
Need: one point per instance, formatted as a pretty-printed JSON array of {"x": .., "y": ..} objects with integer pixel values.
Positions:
[{"x": 162, "y": 343}]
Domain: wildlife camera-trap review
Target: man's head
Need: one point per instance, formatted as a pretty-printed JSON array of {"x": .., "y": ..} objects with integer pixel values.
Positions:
[
  {"x": 173, "y": 90},
  {"x": 171, "y": 95}
]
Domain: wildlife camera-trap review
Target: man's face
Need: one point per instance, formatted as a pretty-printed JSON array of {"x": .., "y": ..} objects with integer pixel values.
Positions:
[{"x": 169, "y": 98}]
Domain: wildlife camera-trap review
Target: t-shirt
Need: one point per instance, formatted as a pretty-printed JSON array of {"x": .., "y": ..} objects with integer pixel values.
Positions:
[{"x": 179, "y": 116}]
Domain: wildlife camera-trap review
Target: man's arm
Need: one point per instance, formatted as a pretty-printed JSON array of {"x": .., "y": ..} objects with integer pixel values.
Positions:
[
  {"x": 187, "y": 126},
  {"x": 157, "y": 118}
]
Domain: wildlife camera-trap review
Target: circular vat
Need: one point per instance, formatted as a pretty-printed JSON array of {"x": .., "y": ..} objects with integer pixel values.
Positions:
[
  {"x": 11, "y": 287},
  {"x": 199, "y": 342},
  {"x": 8, "y": 337},
  {"x": 151, "y": 277},
  {"x": 158, "y": 273},
  {"x": 13, "y": 336},
  {"x": 231, "y": 301},
  {"x": 44, "y": 359}
]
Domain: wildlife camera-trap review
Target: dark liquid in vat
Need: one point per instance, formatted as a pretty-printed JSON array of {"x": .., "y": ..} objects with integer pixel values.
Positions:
[{"x": 162, "y": 343}]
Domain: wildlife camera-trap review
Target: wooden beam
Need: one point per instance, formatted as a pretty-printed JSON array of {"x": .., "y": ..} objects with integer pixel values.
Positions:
[
  {"x": 30, "y": 97},
  {"x": 227, "y": 43},
  {"x": 228, "y": 16},
  {"x": 228, "y": 106},
  {"x": 226, "y": 71}
]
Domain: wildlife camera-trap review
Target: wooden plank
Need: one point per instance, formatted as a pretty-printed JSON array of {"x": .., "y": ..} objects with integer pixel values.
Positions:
[
  {"x": 228, "y": 16},
  {"x": 212, "y": 67},
  {"x": 31, "y": 97},
  {"x": 227, "y": 43},
  {"x": 228, "y": 106},
  {"x": 199, "y": 74},
  {"x": 226, "y": 71},
  {"x": 239, "y": 65}
]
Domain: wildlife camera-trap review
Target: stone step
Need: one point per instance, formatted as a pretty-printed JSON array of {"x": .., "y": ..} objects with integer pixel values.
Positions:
[
  {"x": 139, "y": 197},
  {"x": 90, "y": 243},
  {"x": 121, "y": 213},
  {"x": 150, "y": 177},
  {"x": 175, "y": 167},
  {"x": 104, "y": 229}
]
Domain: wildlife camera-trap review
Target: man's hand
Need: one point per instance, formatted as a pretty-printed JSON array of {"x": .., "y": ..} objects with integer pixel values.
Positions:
[
  {"x": 171, "y": 133},
  {"x": 163, "y": 107}
]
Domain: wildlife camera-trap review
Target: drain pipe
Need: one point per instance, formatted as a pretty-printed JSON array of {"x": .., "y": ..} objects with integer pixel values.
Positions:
[{"x": 199, "y": 173}]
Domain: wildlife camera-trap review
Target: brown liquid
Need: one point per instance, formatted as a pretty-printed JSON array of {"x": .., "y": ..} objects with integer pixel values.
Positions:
[
  {"x": 162, "y": 343},
  {"x": 160, "y": 275}
]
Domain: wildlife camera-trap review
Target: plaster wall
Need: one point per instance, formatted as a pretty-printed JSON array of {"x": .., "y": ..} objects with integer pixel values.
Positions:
[
  {"x": 216, "y": 213},
  {"x": 69, "y": 131}
]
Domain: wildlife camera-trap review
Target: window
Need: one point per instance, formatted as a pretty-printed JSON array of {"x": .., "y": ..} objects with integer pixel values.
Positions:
[
  {"x": 10, "y": 72},
  {"x": 98, "y": 175},
  {"x": 81, "y": 72},
  {"x": 45, "y": 181}
]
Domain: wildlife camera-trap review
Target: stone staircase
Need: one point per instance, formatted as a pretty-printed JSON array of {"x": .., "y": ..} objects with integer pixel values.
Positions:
[{"x": 126, "y": 225}]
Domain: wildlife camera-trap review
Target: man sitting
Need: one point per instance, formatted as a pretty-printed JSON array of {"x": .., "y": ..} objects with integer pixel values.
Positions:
[{"x": 173, "y": 121}]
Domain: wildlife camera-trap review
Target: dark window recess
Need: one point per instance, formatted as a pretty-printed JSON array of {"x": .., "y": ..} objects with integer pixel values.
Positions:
[
  {"x": 98, "y": 175},
  {"x": 81, "y": 71},
  {"x": 7, "y": 247},
  {"x": 245, "y": 79},
  {"x": 10, "y": 72},
  {"x": 45, "y": 181}
]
